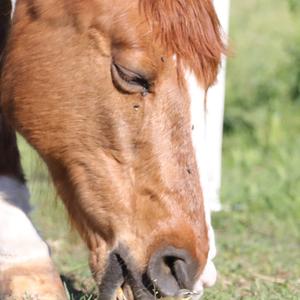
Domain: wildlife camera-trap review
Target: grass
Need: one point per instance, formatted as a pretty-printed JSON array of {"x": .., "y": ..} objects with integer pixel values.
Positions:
[{"x": 258, "y": 232}]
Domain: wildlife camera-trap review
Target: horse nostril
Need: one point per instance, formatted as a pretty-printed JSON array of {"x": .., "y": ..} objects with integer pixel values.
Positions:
[{"x": 171, "y": 270}]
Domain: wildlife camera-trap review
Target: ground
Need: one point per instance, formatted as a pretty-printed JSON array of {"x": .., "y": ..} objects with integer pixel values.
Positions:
[{"x": 258, "y": 232}]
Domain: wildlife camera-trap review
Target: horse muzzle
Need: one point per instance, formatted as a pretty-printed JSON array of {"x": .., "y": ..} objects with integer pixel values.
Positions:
[{"x": 170, "y": 272}]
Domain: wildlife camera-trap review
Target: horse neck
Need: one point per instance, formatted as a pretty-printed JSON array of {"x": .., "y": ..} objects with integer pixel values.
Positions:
[
  {"x": 9, "y": 154},
  {"x": 5, "y": 17}
]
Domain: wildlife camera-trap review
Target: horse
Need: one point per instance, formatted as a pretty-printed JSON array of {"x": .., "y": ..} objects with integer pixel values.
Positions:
[{"x": 101, "y": 90}]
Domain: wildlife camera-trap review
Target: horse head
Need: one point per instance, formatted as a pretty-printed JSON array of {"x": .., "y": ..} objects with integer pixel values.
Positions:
[{"x": 98, "y": 88}]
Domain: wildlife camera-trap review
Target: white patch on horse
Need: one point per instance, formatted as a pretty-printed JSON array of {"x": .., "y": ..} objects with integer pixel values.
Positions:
[
  {"x": 19, "y": 240},
  {"x": 196, "y": 93},
  {"x": 207, "y": 279}
]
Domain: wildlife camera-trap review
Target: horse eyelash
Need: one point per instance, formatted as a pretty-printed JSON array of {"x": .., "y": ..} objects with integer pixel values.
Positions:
[
  {"x": 136, "y": 80},
  {"x": 142, "y": 82}
]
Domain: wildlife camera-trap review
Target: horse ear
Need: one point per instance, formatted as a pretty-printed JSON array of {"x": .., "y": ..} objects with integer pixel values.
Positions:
[{"x": 190, "y": 30}]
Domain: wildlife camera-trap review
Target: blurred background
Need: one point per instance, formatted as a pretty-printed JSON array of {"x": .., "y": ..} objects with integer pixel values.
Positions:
[{"x": 258, "y": 231}]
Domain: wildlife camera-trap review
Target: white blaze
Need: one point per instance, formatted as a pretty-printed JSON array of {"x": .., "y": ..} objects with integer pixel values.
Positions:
[
  {"x": 207, "y": 140},
  {"x": 212, "y": 130},
  {"x": 196, "y": 93},
  {"x": 13, "y": 5}
]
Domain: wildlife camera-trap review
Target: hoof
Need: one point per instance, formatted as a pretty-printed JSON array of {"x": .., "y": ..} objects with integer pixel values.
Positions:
[{"x": 31, "y": 281}]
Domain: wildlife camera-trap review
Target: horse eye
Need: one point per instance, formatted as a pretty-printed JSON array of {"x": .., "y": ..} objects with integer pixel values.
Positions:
[{"x": 129, "y": 81}]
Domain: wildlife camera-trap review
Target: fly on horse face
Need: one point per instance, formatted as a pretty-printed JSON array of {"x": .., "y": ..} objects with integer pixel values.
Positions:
[{"x": 99, "y": 88}]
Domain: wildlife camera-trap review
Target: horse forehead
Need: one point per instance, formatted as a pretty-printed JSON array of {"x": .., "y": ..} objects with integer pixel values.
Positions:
[{"x": 125, "y": 22}]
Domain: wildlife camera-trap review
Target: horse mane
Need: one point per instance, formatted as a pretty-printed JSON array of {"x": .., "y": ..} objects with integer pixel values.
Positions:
[{"x": 190, "y": 29}]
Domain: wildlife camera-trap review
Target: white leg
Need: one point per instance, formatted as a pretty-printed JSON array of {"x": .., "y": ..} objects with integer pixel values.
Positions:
[
  {"x": 19, "y": 241},
  {"x": 25, "y": 265}
]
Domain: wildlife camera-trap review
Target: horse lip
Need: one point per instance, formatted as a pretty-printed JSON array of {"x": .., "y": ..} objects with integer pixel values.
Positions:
[
  {"x": 121, "y": 277},
  {"x": 112, "y": 279},
  {"x": 122, "y": 282}
]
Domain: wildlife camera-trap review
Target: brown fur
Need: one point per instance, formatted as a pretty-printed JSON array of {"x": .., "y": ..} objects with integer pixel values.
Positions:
[
  {"x": 122, "y": 161},
  {"x": 9, "y": 154},
  {"x": 33, "y": 280},
  {"x": 191, "y": 30}
]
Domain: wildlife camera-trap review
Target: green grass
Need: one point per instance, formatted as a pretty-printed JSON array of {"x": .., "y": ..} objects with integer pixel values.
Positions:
[{"x": 258, "y": 233}]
